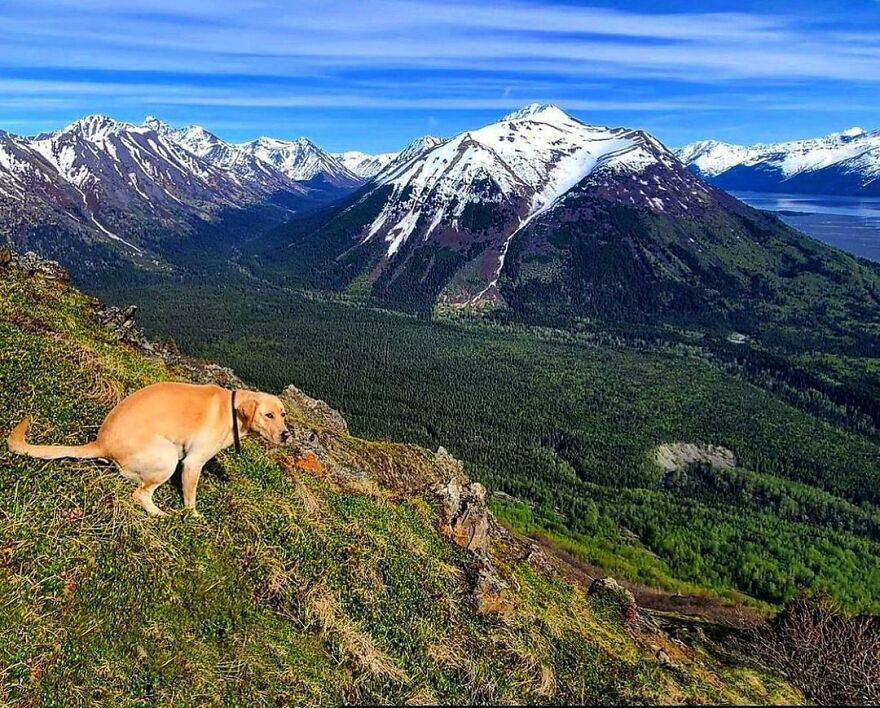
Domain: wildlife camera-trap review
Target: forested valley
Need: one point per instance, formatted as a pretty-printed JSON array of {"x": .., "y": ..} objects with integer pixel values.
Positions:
[{"x": 563, "y": 428}]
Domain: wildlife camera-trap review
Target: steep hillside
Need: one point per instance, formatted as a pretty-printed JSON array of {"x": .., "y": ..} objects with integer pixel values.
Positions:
[
  {"x": 689, "y": 254},
  {"x": 569, "y": 423},
  {"x": 847, "y": 162},
  {"x": 337, "y": 569}
]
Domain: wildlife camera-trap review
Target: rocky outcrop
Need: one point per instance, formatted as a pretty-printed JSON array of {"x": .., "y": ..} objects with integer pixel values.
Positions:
[
  {"x": 466, "y": 521},
  {"x": 316, "y": 412},
  {"x": 539, "y": 561},
  {"x": 119, "y": 320},
  {"x": 609, "y": 589},
  {"x": 321, "y": 446},
  {"x": 32, "y": 264},
  {"x": 465, "y": 514},
  {"x": 679, "y": 456}
]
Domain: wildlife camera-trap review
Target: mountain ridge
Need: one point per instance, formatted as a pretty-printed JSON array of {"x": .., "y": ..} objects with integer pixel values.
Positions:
[
  {"x": 845, "y": 163},
  {"x": 101, "y": 191},
  {"x": 301, "y": 160},
  {"x": 540, "y": 217}
]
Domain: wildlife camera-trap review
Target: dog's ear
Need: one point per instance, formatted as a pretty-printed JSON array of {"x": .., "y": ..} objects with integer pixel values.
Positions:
[{"x": 247, "y": 410}]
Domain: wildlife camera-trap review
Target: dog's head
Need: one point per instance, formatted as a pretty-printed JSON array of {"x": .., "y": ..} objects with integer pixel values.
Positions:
[{"x": 263, "y": 414}]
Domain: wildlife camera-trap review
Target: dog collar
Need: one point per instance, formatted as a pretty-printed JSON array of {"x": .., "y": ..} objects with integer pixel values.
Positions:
[{"x": 235, "y": 436}]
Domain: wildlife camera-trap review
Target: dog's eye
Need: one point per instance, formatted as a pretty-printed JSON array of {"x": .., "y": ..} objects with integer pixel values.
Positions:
[
  {"x": 270, "y": 415},
  {"x": 283, "y": 414}
]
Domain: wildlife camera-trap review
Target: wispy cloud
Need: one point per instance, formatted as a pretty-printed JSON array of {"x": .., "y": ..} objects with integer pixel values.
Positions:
[
  {"x": 416, "y": 55},
  {"x": 310, "y": 38}
]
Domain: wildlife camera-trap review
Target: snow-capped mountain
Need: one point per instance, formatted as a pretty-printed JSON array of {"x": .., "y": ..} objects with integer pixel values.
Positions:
[
  {"x": 248, "y": 169},
  {"x": 363, "y": 164},
  {"x": 117, "y": 179},
  {"x": 475, "y": 193},
  {"x": 523, "y": 164},
  {"x": 368, "y": 166},
  {"x": 115, "y": 182},
  {"x": 302, "y": 160},
  {"x": 847, "y": 162}
]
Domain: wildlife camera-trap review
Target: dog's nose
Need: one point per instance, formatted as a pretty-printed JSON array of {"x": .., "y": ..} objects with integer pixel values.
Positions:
[{"x": 285, "y": 436}]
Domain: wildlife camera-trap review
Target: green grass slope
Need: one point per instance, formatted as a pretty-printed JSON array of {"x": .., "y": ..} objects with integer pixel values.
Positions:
[{"x": 314, "y": 578}]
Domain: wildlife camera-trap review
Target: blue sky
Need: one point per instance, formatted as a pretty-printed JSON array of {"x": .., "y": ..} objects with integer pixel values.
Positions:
[{"x": 374, "y": 74}]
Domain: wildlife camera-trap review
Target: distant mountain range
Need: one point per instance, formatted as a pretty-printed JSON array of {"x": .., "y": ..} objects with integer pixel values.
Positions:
[
  {"x": 115, "y": 180},
  {"x": 538, "y": 214},
  {"x": 845, "y": 163},
  {"x": 363, "y": 164},
  {"x": 367, "y": 166},
  {"x": 102, "y": 181},
  {"x": 548, "y": 218}
]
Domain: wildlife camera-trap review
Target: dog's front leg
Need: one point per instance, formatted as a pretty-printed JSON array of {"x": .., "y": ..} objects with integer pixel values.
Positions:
[{"x": 192, "y": 469}]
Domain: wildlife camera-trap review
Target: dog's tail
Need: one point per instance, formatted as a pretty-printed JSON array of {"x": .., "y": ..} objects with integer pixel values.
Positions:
[{"x": 17, "y": 444}]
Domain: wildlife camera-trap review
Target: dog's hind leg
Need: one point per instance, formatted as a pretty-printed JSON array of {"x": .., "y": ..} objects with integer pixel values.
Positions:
[
  {"x": 153, "y": 467},
  {"x": 192, "y": 469}
]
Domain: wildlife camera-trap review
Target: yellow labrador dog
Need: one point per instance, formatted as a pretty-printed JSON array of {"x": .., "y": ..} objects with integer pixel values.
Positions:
[{"x": 153, "y": 429}]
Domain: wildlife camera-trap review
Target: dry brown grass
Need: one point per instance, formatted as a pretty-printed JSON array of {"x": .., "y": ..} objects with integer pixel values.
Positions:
[
  {"x": 311, "y": 503},
  {"x": 357, "y": 646},
  {"x": 103, "y": 390},
  {"x": 449, "y": 653},
  {"x": 524, "y": 650},
  {"x": 423, "y": 697},
  {"x": 833, "y": 657}
]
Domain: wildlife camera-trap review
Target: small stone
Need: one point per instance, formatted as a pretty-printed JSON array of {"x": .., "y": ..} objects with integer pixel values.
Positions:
[
  {"x": 664, "y": 659},
  {"x": 539, "y": 561},
  {"x": 490, "y": 593},
  {"x": 609, "y": 587}
]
